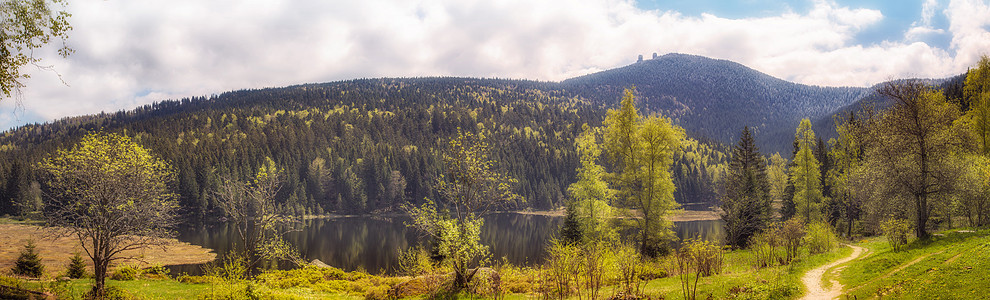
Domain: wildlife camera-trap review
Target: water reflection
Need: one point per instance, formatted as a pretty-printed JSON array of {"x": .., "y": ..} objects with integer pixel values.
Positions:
[{"x": 373, "y": 243}]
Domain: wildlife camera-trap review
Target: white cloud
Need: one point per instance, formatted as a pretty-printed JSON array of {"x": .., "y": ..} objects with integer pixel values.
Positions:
[{"x": 130, "y": 53}]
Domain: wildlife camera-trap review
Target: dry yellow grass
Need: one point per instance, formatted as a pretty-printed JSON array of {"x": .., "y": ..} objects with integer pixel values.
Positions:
[{"x": 55, "y": 253}]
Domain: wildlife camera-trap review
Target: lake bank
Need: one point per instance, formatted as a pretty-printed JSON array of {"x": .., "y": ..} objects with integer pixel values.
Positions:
[
  {"x": 676, "y": 216},
  {"x": 56, "y": 252}
]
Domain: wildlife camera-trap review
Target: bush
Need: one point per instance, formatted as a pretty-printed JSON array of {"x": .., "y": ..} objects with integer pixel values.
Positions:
[
  {"x": 125, "y": 273},
  {"x": 415, "y": 261},
  {"x": 701, "y": 257},
  {"x": 77, "y": 267},
  {"x": 560, "y": 270},
  {"x": 896, "y": 230},
  {"x": 766, "y": 245},
  {"x": 791, "y": 234},
  {"x": 109, "y": 293},
  {"x": 29, "y": 262},
  {"x": 156, "y": 272},
  {"x": 820, "y": 238},
  {"x": 230, "y": 267}
]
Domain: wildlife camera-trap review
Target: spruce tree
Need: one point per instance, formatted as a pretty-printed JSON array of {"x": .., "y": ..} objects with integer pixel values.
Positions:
[
  {"x": 77, "y": 268},
  {"x": 746, "y": 203},
  {"x": 29, "y": 262}
]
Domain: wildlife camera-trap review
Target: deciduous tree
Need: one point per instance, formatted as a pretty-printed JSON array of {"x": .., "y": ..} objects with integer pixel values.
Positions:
[
  {"x": 470, "y": 186},
  {"x": 111, "y": 194},
  {"x": 642, "y": 151},
  {"x": 806, "y": 175},
  {"x": 912, "y": 154},
  {"x": 27, "y": 26}
]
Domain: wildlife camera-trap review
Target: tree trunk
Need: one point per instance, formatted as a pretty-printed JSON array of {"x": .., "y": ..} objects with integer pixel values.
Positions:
[
  {"x": 99, "y": 277},
  {"x": 849, "y": 229},
  {"x": 921, "y": 203}
]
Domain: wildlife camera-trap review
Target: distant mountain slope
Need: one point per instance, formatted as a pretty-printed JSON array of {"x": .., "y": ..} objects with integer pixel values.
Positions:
[
  {"x": 373, "y": 144},
  {"x": 354, "y": 146},
  {"x": 952, "y": 87},
  {"x": 716, "y": 98}
]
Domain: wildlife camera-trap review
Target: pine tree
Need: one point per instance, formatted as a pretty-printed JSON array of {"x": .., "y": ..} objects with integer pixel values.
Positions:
[
  {"x": 29, "y": 262},
  {"x": 77, "y": 268},
  {"x": 746, "y": 203}
]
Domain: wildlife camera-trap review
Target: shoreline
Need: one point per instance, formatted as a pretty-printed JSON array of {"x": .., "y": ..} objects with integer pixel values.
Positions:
[
  {"x": 56, "y": 252},
  {"x": 676, "y": 216}
]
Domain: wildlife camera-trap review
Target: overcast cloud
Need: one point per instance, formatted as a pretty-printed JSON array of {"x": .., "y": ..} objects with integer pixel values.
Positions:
[{"x": 130, "y": 53}]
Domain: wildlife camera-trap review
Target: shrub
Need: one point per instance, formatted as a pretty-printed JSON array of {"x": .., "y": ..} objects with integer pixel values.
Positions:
[
  {"x": 701, "y": 257},
  {"x": 896, "y": 230},
  {"x": 29, "y": 262},
  {"x": 560, "y": 270},
  {"x": 791, "y": 233},
  {"x": 627, "y": 262},
  {"x": 109, "y": 293},
  {"x": 820, "y": 238},
  {"x": 230, "y": 267},
  {"x": 124, "y": 273},
  {"x": 765, "y": 246},
  {"x": 415, "y": 261},
  {"x": 77, "y": 267}
]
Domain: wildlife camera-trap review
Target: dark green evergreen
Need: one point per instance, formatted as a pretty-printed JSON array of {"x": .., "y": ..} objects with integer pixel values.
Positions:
[
  {"x": 29, "y": 262},
  {"x": 746, "y": 204},
  {"x": 77, "y": 267}
]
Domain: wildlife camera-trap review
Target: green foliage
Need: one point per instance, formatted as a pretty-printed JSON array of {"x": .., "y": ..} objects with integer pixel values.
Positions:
[
  {"x": 767, "y": 246},
  {"x": 470, "y": 186},
  {"x": 231, "y": 267},
  {"x": 589, "y": 208},
  {"x": 125, "y": 273},
  {"x": 29, "y": 262},
  {"x": 77, "y": 267},
  {"x": 458, "y": 241},
  {"x": 415, "y": 261},
  {"x": 896, "y": 230},
  {"x": 820, "y": 238},
  {"x": 791, "y": 234},
  {"x": 976, "y": 93},
  {"x": 910, "y": 162},
  {"x": 700, "y": 258},
  {"x": 252, "y": 209},
  {"x": 29, "y": 25},
  {"x": 642, "y": 151},
  {"x": 846, "y": 155},
  {"x": 111, "y": 193},
  {"x": 806, "y": 175},
  {"x": 746, "y": 204},
  {"x": 561, "y": 272},
  {"x": 777, "y": 178},
  {"x": 109, "y": 293},
  {"x": 973, "y": 199}
]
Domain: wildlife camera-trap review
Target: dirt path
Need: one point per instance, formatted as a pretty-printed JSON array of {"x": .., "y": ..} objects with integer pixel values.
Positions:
[{"x": 813, "y": 279}]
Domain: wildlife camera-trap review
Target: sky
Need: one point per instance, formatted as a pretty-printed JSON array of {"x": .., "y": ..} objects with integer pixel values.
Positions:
[{"x": 132, "y": 53}]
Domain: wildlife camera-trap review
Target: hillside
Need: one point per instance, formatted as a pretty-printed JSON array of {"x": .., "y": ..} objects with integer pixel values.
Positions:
[
  {"x": 353, "y": 147},
  {"x": 372, "y": 144},
  {"x": 716, "y": 98}
]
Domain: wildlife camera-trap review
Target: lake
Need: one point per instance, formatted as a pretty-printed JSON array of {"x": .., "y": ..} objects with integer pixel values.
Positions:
[{"x": 373, "y": 243}]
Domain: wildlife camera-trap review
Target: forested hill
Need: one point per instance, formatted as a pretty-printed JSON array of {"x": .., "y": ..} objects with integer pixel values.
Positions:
[
  {"x": 716, "y": 98},
  {"x": 352, "y": 147},
  {"x": 369, "y": 145}
]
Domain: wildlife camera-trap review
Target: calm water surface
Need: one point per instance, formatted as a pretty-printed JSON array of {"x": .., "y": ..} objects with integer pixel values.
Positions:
[{"x": 373, "y": 243}]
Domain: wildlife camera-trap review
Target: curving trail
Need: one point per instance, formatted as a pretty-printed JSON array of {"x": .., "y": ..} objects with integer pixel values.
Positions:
[{"x": 813, "y": 279}]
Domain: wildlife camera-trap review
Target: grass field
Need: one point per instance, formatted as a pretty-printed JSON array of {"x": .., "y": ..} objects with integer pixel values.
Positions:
[{"x": 953, "y": 265}]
